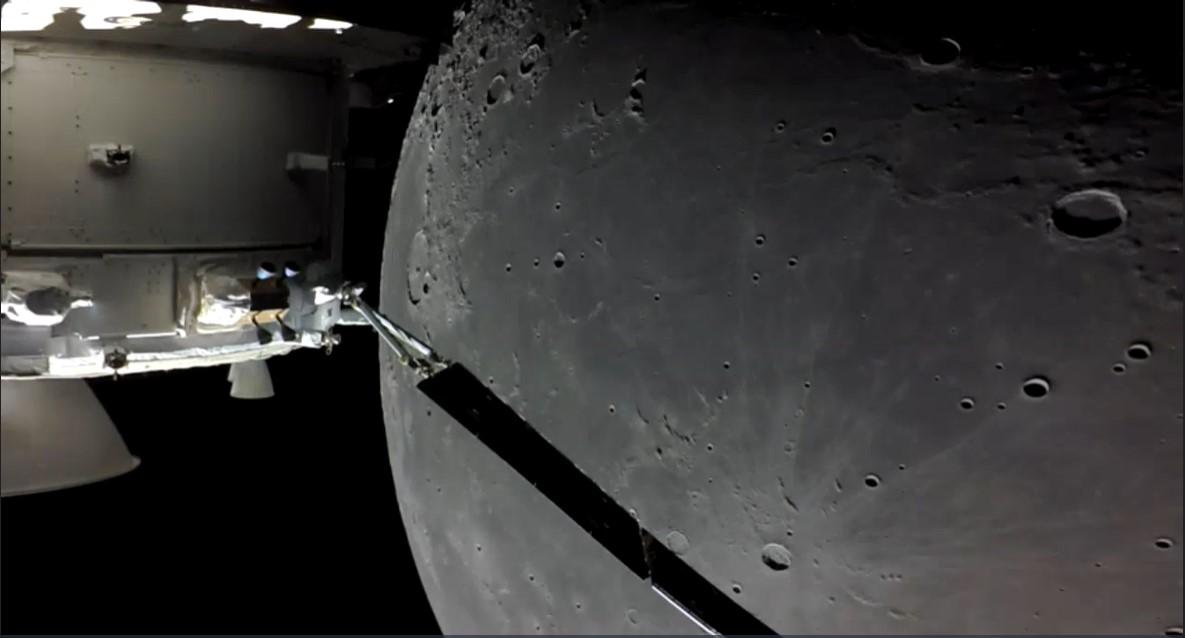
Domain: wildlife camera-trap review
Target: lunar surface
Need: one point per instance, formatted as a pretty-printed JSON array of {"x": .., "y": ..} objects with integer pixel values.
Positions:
[{"x": 878, "y": 337}]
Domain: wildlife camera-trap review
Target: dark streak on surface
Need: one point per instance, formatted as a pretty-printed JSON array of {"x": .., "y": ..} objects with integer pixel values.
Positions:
[{"x": 496, "y": 425}]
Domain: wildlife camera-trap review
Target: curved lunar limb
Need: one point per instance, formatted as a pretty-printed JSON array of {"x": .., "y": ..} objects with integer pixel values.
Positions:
[{"x": 879, "y": 338}]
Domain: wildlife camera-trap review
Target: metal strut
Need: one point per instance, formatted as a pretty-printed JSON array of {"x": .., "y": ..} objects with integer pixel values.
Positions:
[
  {"x": 412, "y": 352},
  {"x": 460, "y": 393}
]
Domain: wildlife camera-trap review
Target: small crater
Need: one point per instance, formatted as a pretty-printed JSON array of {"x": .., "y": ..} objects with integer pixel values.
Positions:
[
  {"x": 1036, "y": 387},
  {"x": 759, "y": 240},
  {"x": 1139, "y": 351},
  {"x": 612, "y": 409},
  {"x": 999, "y": 365},
  {"x": 508, "y": 267},
  {"x": 872, "y": 481},
  {"x": 756, "y": 277},
  {"x": 967, "y": 403},
  {"x": 736, "y": 588},
  {"x": 941, "y": 52},
  {"x": 1119, "y": 368},
  {"x": 828, "y": 136},
  {"x": 496, "y": 89},
  {"x": 634, "y": 101},
  {"x": 780, "y": 127},
  {"x": 677, "y": 542},
  {"x": 531, "y": 55},
  {"x": 776, "y": 557},
  {"x": 1001, "y": 406},
  {"x": 792, "y": 262},
  {"x": 535, "y": 263},
  {"x": 657, "y": 297},
  {"x": 559, "y": 260},
  {"x": 1088, "y": 214},
  {"x": 1164, "y": 542},
  {"x": 727, "y": 365},
  {"x": 632, "y": 616}
]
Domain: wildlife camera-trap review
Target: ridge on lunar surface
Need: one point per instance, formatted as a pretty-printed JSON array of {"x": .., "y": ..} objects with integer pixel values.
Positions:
[{"x": 840, "y": 323}]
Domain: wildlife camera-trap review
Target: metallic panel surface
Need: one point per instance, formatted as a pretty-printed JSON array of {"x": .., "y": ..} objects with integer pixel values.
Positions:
[{"x": 210, "y": 142}]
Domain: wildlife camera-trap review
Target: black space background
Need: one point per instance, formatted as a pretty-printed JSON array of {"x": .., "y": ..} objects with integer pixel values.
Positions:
[
  {"x": 270, "y": 516},
  {"x": 280, "y": 516}
]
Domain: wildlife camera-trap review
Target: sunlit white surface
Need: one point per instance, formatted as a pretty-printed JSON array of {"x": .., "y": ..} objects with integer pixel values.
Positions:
[
  {"x": 97, "y": 15},
  {"x": 262, "y": 19},
  {"x": 326, "y": 23}
]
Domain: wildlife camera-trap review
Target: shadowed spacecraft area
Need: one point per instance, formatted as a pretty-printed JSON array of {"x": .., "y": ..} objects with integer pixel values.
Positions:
[{"x": 875, "y": 329}]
